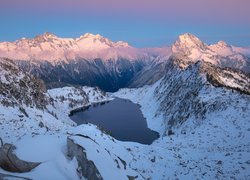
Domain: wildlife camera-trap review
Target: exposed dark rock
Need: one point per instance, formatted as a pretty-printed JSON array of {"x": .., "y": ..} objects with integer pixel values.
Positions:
[
  {"x": 41, "y": 125},
  {"x": 10, "y": 162},
  {"x": 132, "y": 177},
  {"x": 8, "y": 176},
  {"x": 170, "y": 132},
  {"x": 87, "y": 168},
  {"x": 123, "y": 162}
]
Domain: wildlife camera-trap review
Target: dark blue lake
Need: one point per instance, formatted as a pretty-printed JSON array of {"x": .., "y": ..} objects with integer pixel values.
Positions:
[{"x": 121, "y": 117}]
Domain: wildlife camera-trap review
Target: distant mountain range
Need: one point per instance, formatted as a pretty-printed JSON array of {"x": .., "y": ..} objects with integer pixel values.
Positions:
[
  {"x": 94, "y": 60},
  {"x": 49, "y": 47}
]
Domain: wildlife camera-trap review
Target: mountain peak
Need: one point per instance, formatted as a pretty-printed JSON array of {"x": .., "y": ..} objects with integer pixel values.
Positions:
[
  {"x": 122, "y": 44},
  {"x": 45, "y": 36},
  {"x": 222, "y": 44},
  {"x": 222, "y": 48},
  {"x": 187, "y": 36},
  {"x": 48, "y": 35},
  {"x": 188, "y": 42},
  {"x": 97, "y": 41},
  {"x": 90, "y": 35}
]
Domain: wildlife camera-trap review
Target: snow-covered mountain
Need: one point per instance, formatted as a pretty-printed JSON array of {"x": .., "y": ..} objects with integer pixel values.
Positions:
[
  {"x": 177, "y": 91},
  {"x": 88, "y": 60},
  {"x": 94, "y": 60},
  {"x": 202, "y": 113},
  {"x": 191, "y": 48},
  {"x": 49, "y": 47},
  {"x": 200, "y": 109}
]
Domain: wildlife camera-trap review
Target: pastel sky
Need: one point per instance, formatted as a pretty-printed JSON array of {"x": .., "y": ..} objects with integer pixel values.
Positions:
[{"x": 142, "y": 23}]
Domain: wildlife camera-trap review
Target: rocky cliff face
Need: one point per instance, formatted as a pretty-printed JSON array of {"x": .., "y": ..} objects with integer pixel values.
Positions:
[
  {"x": 108, "y": 75},
  {"x": 180, "y": 92},
  {"x": 18, "y": 87},
  {"x": 86, "y": 168}
]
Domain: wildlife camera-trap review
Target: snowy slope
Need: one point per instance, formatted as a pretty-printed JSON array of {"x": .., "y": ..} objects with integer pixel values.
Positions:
[
  {"x": 40, "y": 131},
  {"x": 209, "y": 140},
  {"x": 27, "y": 108},
  {"x": 216, "y": 147},
  {"x": 70, "y": 98}
]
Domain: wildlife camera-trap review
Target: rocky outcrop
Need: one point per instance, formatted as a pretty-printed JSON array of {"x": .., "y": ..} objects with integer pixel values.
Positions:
[
  {"x": 226, "y": 77},
  {"x": 10, "y": 162},
  {"x": 86, "y": 168},
  {"x": 19, "y": 87}
]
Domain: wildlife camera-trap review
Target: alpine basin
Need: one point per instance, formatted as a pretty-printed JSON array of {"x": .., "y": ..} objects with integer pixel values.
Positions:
[{"x": 122, "y": 118}]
